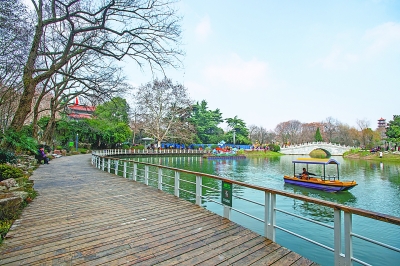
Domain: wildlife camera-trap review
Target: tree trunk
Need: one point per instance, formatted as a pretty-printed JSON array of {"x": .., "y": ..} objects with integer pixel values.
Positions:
[{"x": 24, "y": 107}]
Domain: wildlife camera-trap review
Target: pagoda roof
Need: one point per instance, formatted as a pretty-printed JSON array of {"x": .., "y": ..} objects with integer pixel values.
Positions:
[
  {"x": 80, "y": 116},
  {"x": 82, "y": 108}
]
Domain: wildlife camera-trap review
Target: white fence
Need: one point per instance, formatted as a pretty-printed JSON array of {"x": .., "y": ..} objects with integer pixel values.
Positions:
[{"x": 343, "y": 236}]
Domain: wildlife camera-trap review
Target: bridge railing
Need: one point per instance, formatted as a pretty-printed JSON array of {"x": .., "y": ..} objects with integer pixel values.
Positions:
[
  {"x": 194, "y": 186},
  {"x": 315, "y": 143}
]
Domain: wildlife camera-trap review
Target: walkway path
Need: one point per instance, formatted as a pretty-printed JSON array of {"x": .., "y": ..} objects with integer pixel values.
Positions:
[{"x": 83, "y": 216}]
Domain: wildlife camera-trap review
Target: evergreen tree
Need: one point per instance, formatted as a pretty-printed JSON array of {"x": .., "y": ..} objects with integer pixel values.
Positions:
[
  {"x": 393, "y": 130},
  {"x": 206, "y": 123},
  {"x": 318, "y": 137}
]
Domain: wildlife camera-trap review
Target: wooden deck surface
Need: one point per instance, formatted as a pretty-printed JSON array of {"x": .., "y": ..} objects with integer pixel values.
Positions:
[{"x": 83, "y": 216}]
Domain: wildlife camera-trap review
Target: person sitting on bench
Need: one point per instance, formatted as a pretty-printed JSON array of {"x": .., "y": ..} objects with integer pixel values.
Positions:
[{"x": 42, "y": 156}]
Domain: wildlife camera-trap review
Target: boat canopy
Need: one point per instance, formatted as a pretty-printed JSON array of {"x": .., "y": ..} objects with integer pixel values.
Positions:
[
  {"x": 315, "y": 161},
  {"x": 323, "y": 162}
]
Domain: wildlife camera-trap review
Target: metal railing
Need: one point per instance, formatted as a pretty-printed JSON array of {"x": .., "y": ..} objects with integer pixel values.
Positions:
[
  {"x": 156, "y": 175},
  {"x": 106, "y": 152}
]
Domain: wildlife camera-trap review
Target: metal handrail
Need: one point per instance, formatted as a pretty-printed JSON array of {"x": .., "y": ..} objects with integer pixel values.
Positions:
[{"x": 270, "y": 207}]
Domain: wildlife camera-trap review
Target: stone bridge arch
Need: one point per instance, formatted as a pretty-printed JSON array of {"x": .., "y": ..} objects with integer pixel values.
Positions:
[{"x": 305, "y": 148}]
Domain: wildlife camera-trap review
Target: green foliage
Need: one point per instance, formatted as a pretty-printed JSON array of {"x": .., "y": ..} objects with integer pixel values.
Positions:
[
  {"x": 108, "y": 128},
  {"x": 7, "y": 156},
  {"x": 206, "y": 123},
  {"x": 274, "y": 147},
  {"x": 114, "y": 111},
  {"x": 139, "y": 147},
  {"x": 82, "y": 150},
  {"x": 318, "y": 154},
  {"x": 8, "y": 171},
  {"x": 18, "y": 141},
  {"x": 317, "y": 136},
  {"x": 393, "y": 130},
  {"x": 4, "y": 227},
  {"x": 239, "y": 129},
  {"x": 352, "y": 151},
  {"x": 260, "y": 154}
]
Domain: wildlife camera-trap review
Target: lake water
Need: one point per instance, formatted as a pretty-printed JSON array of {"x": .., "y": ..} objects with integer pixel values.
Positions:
[{"x": 378, "y": 190}]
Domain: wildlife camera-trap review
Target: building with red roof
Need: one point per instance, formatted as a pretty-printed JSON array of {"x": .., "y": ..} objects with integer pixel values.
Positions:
[{"x": 77, "y": 111}]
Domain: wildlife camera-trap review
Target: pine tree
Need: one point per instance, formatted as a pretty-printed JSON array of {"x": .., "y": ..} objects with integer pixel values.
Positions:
[{"x": 318, "y": 136}]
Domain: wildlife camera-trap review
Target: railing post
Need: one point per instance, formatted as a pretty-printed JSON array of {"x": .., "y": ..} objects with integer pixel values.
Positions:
[
  {"x": 348, "y": 245},
  {"x": 116, "y": 167},
  {"x": 160, "y": 178},
  {"x": 103, "y": 165},
  {"x": 124, "y": 174},
  {"x": 146, "y": 174},
  {"x": 227, "y": 212},
  {"x": 270, "y": 209},
  {"x": 176, "y": 187},
  {"x": 337, "y": 233},
  {"x": 267, "y": 201},
  {"x": 134, "y": 173},
  {"x": 198, "y": 190},
  {"x": 109, "y": 165}
]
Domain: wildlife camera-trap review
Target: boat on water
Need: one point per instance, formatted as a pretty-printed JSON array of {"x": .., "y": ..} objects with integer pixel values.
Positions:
[{"x": 329, "y": 183}]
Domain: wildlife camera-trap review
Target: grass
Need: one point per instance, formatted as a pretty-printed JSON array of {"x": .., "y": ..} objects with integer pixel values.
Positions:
[
  {"x": 318, "y": 154},
  {"x": 367, "y": 155},
  {"x": 259, "y": 154}
]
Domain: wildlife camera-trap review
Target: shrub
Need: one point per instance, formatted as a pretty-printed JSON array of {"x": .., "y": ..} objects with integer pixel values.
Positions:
[
  {"x": 274, "y": 147},
  {"x": 139, "y": 147},
  {"x": 4, "y": 227},
  {"x": 18, "y": 141},
  {"x": 82, "y": 150},
  {"x": 7, "y": 156},
  {"x": 8, "y": 171}
]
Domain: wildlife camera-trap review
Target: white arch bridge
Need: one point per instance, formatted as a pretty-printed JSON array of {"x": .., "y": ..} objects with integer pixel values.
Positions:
[{"x": 306, "y": 148}]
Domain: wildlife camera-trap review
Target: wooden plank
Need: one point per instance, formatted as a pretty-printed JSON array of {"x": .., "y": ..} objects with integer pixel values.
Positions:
[{"x": 85, "y": 216}]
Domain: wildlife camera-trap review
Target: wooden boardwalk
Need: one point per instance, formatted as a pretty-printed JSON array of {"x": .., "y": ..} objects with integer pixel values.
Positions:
[{"x": 83, "y": 216}]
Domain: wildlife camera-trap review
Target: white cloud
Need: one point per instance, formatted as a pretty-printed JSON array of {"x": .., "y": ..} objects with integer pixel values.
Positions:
[
  {"x": 380, "y": 40},
  {"x": 383, "y": 37},
  {"x": 235, "y": 73},
  {"x": 203, "y": 29}
]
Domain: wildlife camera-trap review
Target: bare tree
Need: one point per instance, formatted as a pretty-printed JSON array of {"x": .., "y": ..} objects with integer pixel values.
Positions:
[
  {"x": 145, "y": 30},
  {"x": 15, "y": 32},
  {"x": 164, "y": 109},
  {"x": 15, "y": 36},
  {"x": 330, "y": 128},
  {"x": 260, "y": 135},
  {"x": 363, "y": 125},
  {"x": 294, "y": 130},
  {"x": 308, "y": 131},
  {"x": 87, "y": 77},
  {"x": 282, "y": 132}
]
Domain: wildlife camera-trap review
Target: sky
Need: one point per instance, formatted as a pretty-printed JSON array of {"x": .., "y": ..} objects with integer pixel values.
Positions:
[{"x": 268, "y": 62}]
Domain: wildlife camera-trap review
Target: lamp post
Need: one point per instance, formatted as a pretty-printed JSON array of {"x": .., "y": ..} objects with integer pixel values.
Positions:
[
  {"x": 234, "y": 135},
  {"x": 76, "y": 142}
]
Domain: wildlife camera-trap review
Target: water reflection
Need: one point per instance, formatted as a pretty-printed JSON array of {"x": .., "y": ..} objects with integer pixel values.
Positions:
[
  {"x": 318, "y": 212},
  {"x": 344, "y": 197}
]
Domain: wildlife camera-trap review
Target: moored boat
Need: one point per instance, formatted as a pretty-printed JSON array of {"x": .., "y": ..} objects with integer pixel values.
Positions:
[{"x": 323, "y": 182}]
